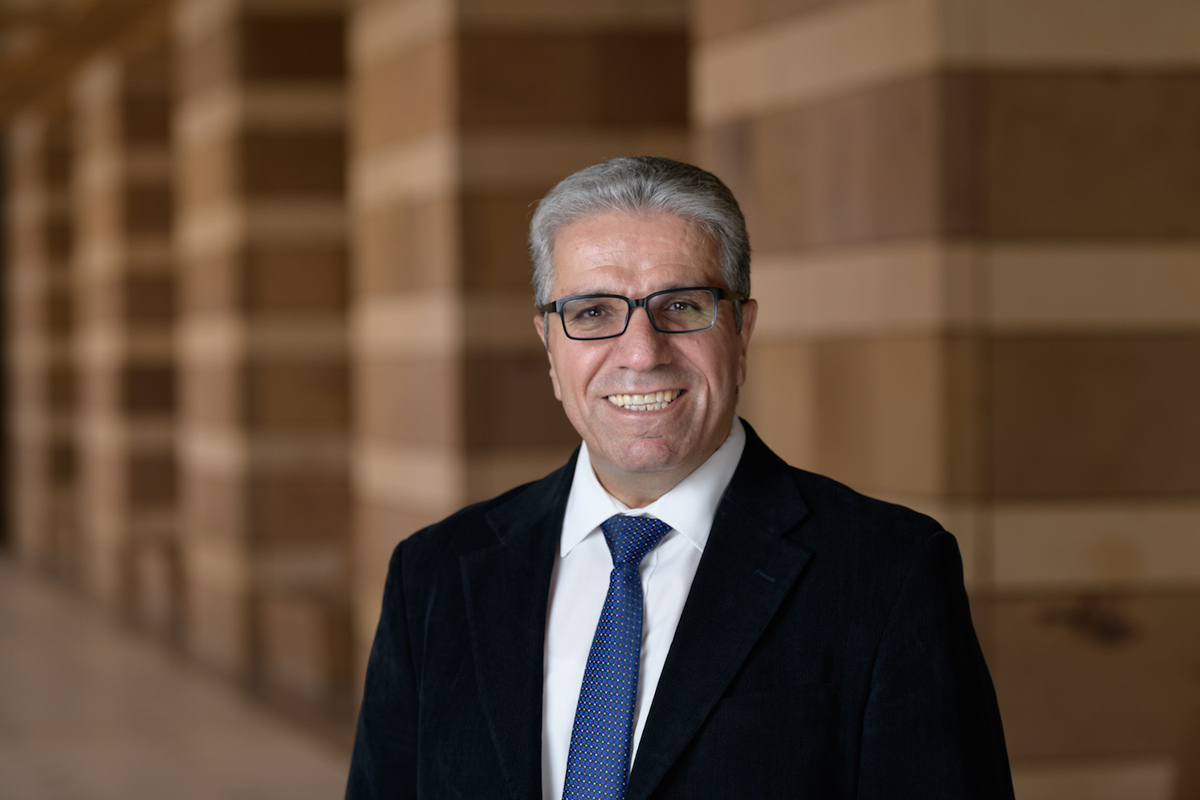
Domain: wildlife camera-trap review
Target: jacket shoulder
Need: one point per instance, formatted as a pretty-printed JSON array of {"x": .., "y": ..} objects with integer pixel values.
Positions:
[
  {"x": 831, "y": 513},
  {"x": 471, "y": 527},
  {"x": 835, "y": 503}
]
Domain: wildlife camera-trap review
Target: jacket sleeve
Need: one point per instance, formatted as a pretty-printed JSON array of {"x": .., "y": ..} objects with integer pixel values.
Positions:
[
  {"x": 384, "y": 760},
  {"x": 931, "y": 726}
]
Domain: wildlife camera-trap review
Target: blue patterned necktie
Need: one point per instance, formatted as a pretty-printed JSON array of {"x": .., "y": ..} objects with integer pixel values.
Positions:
[{"x": 602, "y": 738}]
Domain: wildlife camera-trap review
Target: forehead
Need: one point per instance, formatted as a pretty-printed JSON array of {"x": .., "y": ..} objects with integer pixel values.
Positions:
[{"x": 621, "y": 251}]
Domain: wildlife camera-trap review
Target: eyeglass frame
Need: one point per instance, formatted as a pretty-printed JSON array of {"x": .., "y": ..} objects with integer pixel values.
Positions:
[{"x": 719, "y": 294}]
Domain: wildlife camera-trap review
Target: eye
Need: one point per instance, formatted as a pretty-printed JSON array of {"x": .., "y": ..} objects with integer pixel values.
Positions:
[{"x": 589, "y": 312}]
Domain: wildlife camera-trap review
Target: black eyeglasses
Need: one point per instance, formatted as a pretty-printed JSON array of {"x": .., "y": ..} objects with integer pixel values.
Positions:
[{"x": 604, "y": 316}]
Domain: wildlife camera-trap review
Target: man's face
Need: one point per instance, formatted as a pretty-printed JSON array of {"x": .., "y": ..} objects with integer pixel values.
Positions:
[{"x": 640, "y": 454}]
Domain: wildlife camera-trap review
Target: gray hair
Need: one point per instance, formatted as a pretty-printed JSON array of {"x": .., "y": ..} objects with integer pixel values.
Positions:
[{"x": 643, "y": 185}]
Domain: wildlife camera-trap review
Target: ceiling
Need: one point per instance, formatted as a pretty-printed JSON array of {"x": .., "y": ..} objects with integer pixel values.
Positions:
[{"x": 44, "y": 42}]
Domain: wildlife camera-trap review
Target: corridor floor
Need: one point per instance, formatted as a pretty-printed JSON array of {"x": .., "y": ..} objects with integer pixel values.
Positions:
[{"x": 90, "y": 712}]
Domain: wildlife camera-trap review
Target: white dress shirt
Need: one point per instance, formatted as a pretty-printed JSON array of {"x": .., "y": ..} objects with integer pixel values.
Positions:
[{"x": 580, "y": 584}]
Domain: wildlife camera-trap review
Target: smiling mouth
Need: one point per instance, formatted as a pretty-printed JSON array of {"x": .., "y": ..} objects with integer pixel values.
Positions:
[{"x": 654, "y": 401}]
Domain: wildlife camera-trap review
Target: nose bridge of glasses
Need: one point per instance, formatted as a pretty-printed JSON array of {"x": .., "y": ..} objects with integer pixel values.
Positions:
[{"x": 644, "y": 304}]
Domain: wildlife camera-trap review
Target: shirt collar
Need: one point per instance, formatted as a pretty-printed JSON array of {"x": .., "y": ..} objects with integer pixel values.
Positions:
[{"x": 689, "y": 507}]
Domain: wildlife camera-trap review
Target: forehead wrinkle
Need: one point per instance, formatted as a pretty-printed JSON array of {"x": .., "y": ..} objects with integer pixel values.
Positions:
[
  {"x": 687, "y": 236},
  {"x": 606, "y": 277}
]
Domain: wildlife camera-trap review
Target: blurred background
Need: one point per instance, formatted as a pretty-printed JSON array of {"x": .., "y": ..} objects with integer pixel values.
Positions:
[{"x": 267, "y": 312}]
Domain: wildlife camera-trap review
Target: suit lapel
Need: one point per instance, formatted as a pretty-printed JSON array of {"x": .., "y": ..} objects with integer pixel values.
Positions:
[
  {"x": 747, "y": 569},
  {"x": 507, "y": 587}
]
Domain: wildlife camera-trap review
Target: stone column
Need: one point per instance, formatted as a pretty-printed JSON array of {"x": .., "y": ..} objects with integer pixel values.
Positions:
[
  {"x": 976, "y": 237},
  {"x": 7, "y": 526},
  {"x": 126, "y": 300},
  {"x": 41, "y": 365},
  {"x": 261, "y": 246},
  {"x": 465, "y": 112}
]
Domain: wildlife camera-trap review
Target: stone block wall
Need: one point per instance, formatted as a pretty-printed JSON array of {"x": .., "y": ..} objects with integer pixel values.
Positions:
[
  {"x": 464, "y": 113},
  {"x": 125, "y": 294},
  {"x": 41, "y": 322},
  {"x": 260, "y": 242},
  {"x": 976, "y": 248}
]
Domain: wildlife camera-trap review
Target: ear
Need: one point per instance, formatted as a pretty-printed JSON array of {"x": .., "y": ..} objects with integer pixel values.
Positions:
[
  {"x": 749, "y": 316},
  {"x": 539, "y": 323}
]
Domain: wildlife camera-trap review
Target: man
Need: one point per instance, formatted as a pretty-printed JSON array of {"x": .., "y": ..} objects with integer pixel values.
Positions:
[{"x": 675, "y": 613}]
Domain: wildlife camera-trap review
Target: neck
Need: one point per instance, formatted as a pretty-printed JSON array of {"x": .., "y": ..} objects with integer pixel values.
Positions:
[{"x": 640, "y": 493}]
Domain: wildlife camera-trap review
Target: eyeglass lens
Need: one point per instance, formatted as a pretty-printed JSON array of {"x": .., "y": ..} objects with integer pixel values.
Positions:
[{"x": 597, "y": 317}]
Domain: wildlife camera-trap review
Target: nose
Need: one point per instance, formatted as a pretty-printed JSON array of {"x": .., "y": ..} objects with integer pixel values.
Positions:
[{"x": 641, "y": 347}]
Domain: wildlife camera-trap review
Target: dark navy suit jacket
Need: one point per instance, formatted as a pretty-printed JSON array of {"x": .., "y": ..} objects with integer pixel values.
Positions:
[{"x": 825, "y": 651}]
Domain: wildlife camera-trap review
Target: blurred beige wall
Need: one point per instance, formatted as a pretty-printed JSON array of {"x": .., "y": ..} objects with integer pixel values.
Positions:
[{"x": 976, "y": 229}]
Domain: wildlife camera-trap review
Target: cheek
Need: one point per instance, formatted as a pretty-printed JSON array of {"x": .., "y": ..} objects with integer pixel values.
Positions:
[
  {"x": 570, "y": 373},
  {"x": 725, "y": 367},
  {"x": 574, "y": 372}
]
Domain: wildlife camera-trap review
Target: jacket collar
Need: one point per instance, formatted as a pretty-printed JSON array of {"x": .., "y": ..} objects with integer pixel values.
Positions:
[
  {"x": 506, "y": 587},
  {"x": 748, "y": 568}
]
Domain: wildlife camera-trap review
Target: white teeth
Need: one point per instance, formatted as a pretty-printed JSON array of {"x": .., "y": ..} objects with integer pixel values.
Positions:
[{"x": 654, "y": 401}]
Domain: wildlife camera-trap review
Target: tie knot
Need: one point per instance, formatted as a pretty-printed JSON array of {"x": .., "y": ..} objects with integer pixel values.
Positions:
[{"x": 630, "y": 538}]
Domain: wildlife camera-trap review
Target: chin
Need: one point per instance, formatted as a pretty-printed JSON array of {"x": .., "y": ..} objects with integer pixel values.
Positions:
[{"x": 650, "y": 455}]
